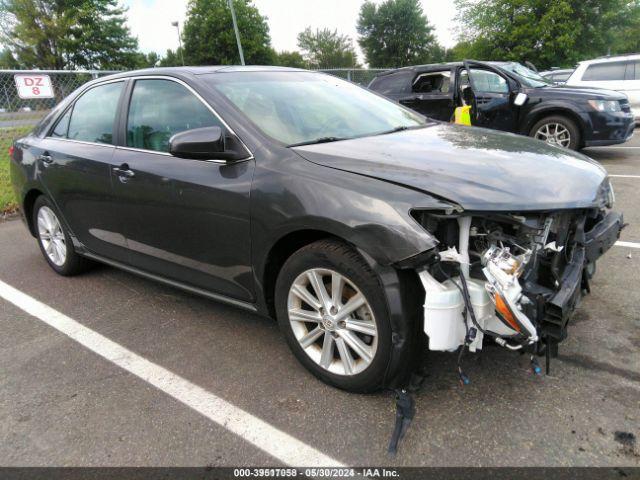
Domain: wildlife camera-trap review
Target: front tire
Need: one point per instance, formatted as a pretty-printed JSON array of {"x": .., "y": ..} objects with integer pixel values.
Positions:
[
  {"x": 557, "y": 130},
  {"x": 332, "y": 311},
  {"x": 54, "y": 240}
]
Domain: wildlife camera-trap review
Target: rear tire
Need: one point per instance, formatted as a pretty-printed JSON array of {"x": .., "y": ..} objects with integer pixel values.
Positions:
[
  {"x": 54, "y": 240},
  {"x": 557, "y": 130},
  {"x": 352, "y": 349}
]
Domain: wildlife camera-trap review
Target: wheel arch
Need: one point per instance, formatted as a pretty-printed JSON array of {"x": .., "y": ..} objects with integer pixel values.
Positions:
[
  {"x": 280, "y": 251},
  {"x": 563, "y": 111},
  {"x": 27, "y": 207},
  {"x": 402, "y": 290}
]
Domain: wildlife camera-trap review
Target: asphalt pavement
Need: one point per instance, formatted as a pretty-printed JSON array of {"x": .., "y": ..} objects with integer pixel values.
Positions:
[{"x": 62, "y": 403}]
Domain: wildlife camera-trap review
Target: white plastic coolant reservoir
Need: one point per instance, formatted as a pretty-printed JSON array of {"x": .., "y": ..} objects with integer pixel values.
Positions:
[{"x": 443, "y": 307}]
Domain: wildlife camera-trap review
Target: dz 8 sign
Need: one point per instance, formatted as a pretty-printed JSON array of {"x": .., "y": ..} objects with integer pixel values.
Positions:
[{"x": 34, "y": 86}]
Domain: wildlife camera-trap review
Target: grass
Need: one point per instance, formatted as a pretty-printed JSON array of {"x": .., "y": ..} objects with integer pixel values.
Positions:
[{"x": 8, "y": 202}]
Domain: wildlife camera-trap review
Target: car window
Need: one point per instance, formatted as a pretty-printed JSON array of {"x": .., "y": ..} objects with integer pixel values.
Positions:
[
  {"x": 300, "y": 107},
  {"x": 389, "y": 84},
  {"x": 561, "y": 77},
  {"x": 485, "y": 81},
  {"x": 94, "y": 113},
  {"x": 62, "y": 127},
  {"x": 435, "y": 82},
  {"x": 161, "y": 108},
  {"x": 526, "y": 76},
  {"x": 609, "y": 71}
]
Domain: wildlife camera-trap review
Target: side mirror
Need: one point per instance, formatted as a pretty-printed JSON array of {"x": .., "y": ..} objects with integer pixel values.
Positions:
[
  {"x": 200, "y": 143},
  {"x": 208, "y": 143},
  {"x": 521, "y": 99}
]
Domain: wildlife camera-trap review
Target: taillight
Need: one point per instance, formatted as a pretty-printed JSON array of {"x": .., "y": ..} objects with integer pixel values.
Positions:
[{"x": 11, "y": 149}]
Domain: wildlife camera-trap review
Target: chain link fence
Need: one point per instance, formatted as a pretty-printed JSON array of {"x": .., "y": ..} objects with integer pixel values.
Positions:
[
  {"x": 361, "y": 76},
  {"x": 18, "y": 115}
]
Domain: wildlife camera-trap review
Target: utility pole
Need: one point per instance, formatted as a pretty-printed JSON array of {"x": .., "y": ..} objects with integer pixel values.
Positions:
[
  {"x": 235, "y": 29},
  {"x": 177, "y": 25}
]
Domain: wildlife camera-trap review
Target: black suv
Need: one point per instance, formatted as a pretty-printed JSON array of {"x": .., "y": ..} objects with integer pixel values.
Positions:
[{"x": 509, "y": 96}]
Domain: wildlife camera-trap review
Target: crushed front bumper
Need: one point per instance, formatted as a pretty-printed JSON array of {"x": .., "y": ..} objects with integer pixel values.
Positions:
[
  {"x": 602, "y": 236},
  {"x": 575, "y": 280}
]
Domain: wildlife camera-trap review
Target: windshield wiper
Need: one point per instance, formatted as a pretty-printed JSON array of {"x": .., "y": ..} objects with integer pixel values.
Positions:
[
  {"x": 400, "y": 128},
  {"x": 317, "y": 140}
]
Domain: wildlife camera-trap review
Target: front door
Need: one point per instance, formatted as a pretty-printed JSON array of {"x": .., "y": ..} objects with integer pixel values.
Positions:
[
  {"x": 492, "y": 98},
  {"x": 186, "y": 220}
]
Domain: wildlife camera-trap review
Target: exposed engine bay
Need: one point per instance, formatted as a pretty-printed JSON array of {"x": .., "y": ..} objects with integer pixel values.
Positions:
[{"x": 514, "y": 279}]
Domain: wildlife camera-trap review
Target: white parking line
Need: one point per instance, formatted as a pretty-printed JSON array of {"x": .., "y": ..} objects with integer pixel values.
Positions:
[
  {"x": 625, "y": 176},
  {"x": 628, "y": 244},
  {"x": 620, "y": 147},
  {"x": 267, "y": 438}
]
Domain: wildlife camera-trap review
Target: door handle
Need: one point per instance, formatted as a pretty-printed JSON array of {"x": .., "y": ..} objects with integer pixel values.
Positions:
[
  {"x": 46, "y": 158},
  {"x": 124, "y": 172}
]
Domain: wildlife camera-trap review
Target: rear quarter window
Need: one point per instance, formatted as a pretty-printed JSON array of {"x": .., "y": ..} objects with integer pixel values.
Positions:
[{"x": 392, "y": 83}]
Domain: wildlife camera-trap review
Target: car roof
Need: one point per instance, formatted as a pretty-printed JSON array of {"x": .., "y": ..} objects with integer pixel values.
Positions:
[
  {"x": 202, "y": 70},
  {"x": 630, "y": 56},
  {"x": 433, "y": 66},
  {"x": 421, "y": 68}
]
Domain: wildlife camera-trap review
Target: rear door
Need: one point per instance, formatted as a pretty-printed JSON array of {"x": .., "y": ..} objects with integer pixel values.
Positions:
[
  {"x": 432, "y": 94},
  {"x": 492, "y": 99},
  {"x": 186, "y": 220},
  {"x": 75, "y": 161}
]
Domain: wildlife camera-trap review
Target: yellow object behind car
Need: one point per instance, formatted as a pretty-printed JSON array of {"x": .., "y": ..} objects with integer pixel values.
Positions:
[{"x": 462, "y": 115}]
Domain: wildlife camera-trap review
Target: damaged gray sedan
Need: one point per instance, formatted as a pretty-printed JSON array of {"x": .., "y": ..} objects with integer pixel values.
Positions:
[{"x": 370, "y": 232}]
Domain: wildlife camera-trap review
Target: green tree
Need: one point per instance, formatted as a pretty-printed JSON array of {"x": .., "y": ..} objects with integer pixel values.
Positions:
[
  {"x": 151, "y": 59},
  {"x": 7, "y": 60},
  {"x": 209, "y": 38},
  {"x": 477, "y": 49},
  {"x": 171, "y": 58},
  {"x": 68, "y": 34},
  {"x": 289, "y": 59},
  {"x": 325, "y": 48},
  {"x": 547, "y": 32},
  {"x": 397, "y": 33}
]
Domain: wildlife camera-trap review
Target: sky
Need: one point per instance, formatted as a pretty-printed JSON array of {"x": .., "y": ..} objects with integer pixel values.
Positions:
[{"x": 150, "y": 20}]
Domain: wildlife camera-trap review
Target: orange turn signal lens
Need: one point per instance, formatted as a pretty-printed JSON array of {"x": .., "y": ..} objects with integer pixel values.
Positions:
[{"x": 505, "y": 312}]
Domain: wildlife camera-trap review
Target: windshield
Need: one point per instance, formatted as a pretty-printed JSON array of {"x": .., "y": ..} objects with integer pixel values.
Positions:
[
  {"x": 527, "y": 76},
  {"x": 303, "y": 107}
]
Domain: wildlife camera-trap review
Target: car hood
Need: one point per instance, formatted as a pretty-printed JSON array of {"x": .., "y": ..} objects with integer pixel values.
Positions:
[
  {"x": 476, "y": 168},
  {"x": 589, "y": 93}
]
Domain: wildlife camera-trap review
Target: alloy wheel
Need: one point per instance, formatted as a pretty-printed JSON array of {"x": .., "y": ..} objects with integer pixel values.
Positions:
[
  {"x": 554, "y": 134},
  {"x": 332, "y": 321},
  {"x": 51, "y": 236}
]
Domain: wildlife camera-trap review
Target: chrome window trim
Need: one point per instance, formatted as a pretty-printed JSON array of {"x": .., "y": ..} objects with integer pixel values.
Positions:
[
  {"x": 152, "y": 77},
  {"x": 83, "y": 142}
]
